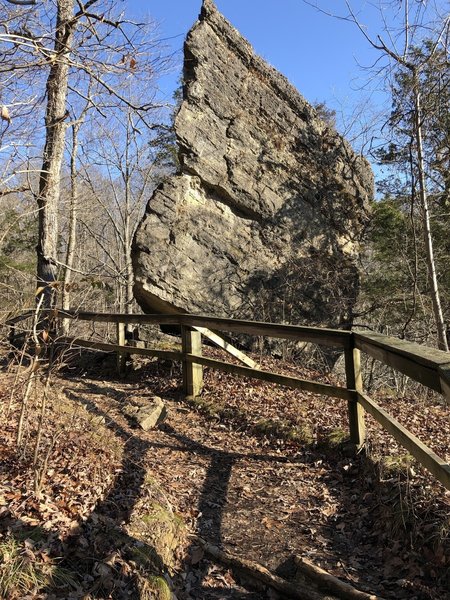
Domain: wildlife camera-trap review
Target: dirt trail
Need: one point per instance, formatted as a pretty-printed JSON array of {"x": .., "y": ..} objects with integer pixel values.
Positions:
[
  {"x": 258, "y": 470},
  {"x": 263, "y": 500}
]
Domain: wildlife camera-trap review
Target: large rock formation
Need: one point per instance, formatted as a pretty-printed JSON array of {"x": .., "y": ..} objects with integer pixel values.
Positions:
[{"x": 265, "y": 218}]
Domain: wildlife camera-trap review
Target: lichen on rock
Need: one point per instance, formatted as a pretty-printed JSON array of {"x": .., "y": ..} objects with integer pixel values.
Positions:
[{"x": 265, "y": 218}]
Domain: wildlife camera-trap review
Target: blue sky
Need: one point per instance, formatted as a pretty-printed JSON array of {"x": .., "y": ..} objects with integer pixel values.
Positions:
[
  {"x": 326, "y": 59},
  {"x": 318, "y": 54}
]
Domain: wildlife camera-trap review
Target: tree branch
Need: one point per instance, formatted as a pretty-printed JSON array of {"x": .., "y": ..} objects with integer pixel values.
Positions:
[
  {"x": 22, "y": 2},
  {"x": 18, "y": 190}
]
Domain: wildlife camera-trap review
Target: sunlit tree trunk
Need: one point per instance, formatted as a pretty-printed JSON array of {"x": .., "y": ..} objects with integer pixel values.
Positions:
[
  {"x": 73, "y": 220},
  {"x": 55, "y": 132},
  {"x": 431, "y": 264},
  {"x": 128, "y": 227}
]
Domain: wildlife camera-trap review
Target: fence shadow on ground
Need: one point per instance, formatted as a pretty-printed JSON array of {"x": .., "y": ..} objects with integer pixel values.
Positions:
[{"x": 103, "y": 534}]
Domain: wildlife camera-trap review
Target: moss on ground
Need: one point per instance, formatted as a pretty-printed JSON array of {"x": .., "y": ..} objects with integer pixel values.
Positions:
[{"x": 281, "y": 429}]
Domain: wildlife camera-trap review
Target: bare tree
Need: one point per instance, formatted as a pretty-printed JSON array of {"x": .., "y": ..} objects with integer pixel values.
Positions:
[
  {"x": 125, "y": 176},
  {"x": 86, "y": 53},
  {"x": 406, "y": 60},
  {"x": 416, "y": 23},
  {"x": 55, "y": 135}
]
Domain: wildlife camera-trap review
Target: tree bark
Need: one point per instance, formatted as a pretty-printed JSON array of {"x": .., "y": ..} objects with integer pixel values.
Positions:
[
  {"x": 128, "y": 233},
  {"x": 55, "y": 132},
  {"x": 431, "y": 265},
  {"x": 70, "y": 254}
]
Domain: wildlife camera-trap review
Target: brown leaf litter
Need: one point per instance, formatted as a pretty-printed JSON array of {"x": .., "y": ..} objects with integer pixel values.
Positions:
[{"x": 256, "y": 469}]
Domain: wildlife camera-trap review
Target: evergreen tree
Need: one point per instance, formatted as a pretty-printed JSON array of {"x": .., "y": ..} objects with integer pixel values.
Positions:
[{"x": 399, "y": 278}]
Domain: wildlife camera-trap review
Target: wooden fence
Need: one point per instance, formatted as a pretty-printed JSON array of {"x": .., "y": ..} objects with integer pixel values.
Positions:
[{"x": 428, "y": 366}]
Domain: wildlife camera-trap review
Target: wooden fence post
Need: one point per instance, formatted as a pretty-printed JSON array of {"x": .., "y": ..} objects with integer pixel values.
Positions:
[
  {"x": 354, "y": 382},
  {"x": 121, "y": 356},
  {"x": 192, "y": 373}
]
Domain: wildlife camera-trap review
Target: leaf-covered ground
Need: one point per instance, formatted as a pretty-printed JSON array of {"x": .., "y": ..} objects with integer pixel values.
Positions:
[{"x": 109, "y": 510}]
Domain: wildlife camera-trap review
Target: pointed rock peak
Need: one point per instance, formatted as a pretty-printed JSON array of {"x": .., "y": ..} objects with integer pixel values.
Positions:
[{"x": 208, "y": 7}]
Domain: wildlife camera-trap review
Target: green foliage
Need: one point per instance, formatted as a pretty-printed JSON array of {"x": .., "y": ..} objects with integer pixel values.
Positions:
[
  {"x": 394, "y": 281},
  {"x": 153, "y": 587},
  {"x": 387, "y": 283},
  {"x": 394, "y": 463},
  {"x": 285, "y": 431},
  {"x": 396, "y": 285},
  {"x": 18, "y": 237},
  {"x": 338, "y": 437},
  {"x": 164, "y": 147},
  {"x": 160, "y": 587},
  {"x": 388, "y": 227}
]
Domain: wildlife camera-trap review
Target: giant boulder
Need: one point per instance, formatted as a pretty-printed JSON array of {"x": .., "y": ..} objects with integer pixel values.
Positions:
[{"x": 265, "y": 218}]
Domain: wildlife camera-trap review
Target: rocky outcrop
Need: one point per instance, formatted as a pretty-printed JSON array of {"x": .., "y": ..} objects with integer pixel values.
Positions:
[
  {"x": 148, "y": 413},
  {"x": 265, "y": 218}
]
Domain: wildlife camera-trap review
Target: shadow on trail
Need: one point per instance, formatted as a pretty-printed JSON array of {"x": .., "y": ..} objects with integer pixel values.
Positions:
[
  {"x": 359, "y": 522},
  {"x": 214, "y": 503},
  {"x": 103, "y": 532},
  {"x": 95, "y": 556},
  {"x": 117, "y": 507},
  {"x": 213, "y": 498},
  {"x": 351, "y": 531}
]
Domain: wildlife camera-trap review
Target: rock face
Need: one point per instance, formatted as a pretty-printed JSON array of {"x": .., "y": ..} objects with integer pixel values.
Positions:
[{"x": 265, "y": 218}]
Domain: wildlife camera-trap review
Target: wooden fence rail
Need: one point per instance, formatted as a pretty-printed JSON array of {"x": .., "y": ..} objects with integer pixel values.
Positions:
[{"x": 427, "y": 366}]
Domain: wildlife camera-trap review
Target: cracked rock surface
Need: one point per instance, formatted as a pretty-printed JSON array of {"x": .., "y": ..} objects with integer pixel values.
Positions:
[{"x": 265, "y": 218}]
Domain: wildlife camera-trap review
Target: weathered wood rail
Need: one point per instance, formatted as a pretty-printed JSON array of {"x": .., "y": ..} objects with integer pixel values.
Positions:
[{"x": 427, "y": 366}]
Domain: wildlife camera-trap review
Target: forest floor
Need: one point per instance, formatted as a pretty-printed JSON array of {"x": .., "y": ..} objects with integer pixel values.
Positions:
[{"x": 111, "y": 511}]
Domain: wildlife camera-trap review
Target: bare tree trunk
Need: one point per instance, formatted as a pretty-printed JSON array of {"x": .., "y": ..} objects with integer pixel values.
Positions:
[
  {"x": 70, "y": 254},
  {"x": 128, "y": 267},
  {"x": 127, "y": 250},
  {"x": 431, "y": 265},
  {"x": 128, "y": 233},
  {"x": 55, "y": 131}
]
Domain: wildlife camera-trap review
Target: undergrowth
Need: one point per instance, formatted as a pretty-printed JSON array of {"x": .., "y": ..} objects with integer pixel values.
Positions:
[{"x": 25, "y": 566}]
